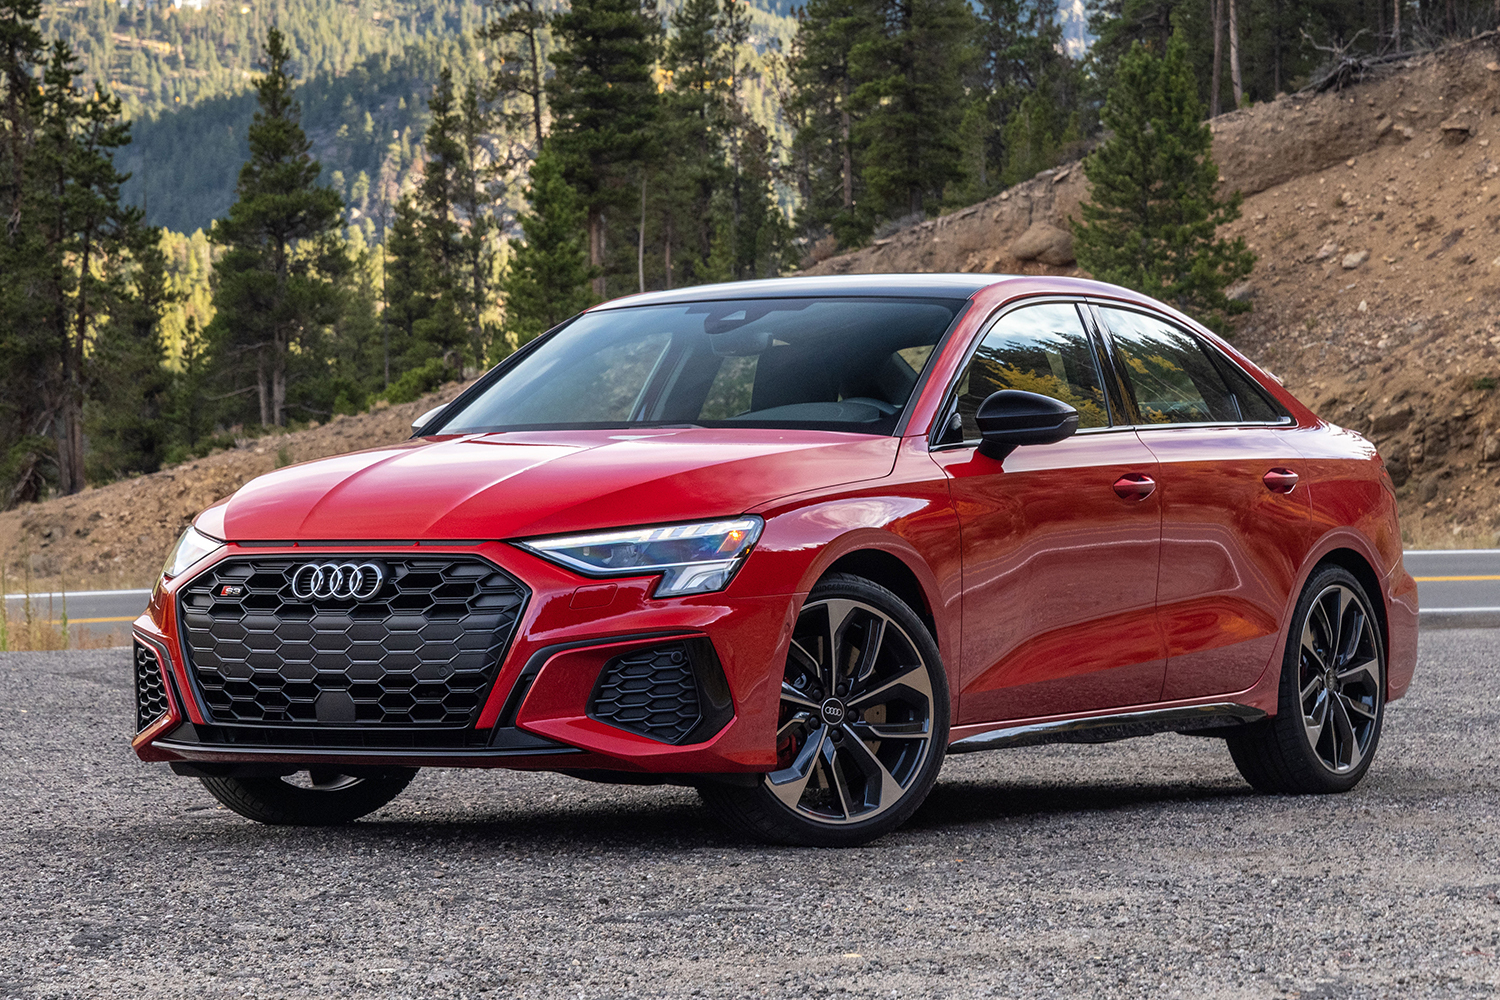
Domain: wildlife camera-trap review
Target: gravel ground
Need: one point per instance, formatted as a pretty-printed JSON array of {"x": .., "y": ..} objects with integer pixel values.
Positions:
[{"x": 1144, "y": 868}]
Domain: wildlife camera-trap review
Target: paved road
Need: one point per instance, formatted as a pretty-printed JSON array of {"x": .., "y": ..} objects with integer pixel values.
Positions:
[
  {"x": 1457, "y": 589},
  {"x": 1137, "y": 869},
  {"x": 101, "y": 615}
]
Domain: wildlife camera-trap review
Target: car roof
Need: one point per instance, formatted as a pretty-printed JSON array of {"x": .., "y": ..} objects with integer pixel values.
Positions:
[{"x": 926, "y": 286}]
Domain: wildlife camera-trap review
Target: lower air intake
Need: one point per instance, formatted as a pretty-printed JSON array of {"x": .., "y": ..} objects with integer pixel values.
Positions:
[
  {"x": 151, "y": 701},
  {"x": 674, "y": 692}
]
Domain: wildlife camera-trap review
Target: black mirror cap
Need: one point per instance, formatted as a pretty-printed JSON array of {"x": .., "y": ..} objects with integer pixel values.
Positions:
[{"x": 1011, "y": 418}]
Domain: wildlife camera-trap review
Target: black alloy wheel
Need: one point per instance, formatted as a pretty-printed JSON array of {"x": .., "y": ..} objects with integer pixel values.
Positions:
[
  {"x": 863, "y": 725},
  {"x": 1332, "y": 695},
  {"x": 319, "y": 796}
]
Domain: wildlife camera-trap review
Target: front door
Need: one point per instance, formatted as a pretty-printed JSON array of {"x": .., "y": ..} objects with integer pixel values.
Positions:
[{"x": 1060, "y": 543}]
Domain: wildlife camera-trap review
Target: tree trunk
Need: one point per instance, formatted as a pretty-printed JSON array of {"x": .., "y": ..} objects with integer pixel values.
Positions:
[
  {"x": 261, "y": 389},
  {"x": 640, "y": 246},
  {"x": 1215, "y": 80},
  {"x": 846, "y": 148},
  {"x": 536, "y": 83},
  {"x": 596, "y": 249},
  {"x": 667, "y": 251},
  {"x": 1396, "y": 21},
  {"x": 278, "y": 382},
  {"x": 1234, "y": 54}
]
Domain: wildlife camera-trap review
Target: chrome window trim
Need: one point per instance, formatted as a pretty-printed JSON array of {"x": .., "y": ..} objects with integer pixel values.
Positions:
[{"x": 1210, "y": 350}]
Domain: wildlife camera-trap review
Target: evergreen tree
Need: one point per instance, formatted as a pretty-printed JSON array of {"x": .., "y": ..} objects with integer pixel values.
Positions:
[
  {"x": 825, "y": 160},
  {"x": 549, "y": 275},
  {"x": 278, "y": 281},
  {"x": 405, "y": 291},
  {"x": 911, "y": 100},
  {"x": 604, "y": 104},
  {"x": 439, "y": 230},
  {"x": 692, "y": 167},
  {"x": 522, "y": 75},
  {"x": 1152, "y": 217}
]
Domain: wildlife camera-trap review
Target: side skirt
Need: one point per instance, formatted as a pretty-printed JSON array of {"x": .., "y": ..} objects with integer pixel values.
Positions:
[{"x": 1108, "y": 728}]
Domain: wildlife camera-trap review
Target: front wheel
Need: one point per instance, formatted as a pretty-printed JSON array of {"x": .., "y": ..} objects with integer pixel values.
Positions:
[
  {"x": 1332, "y": 697},
  {"x": 321, "y": 796},
  {"x": 863, "y": 724}
]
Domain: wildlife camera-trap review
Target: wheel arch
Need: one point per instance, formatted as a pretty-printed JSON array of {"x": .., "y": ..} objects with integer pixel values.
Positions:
[
  {"x": 889, "y": 571},
  {"x": 1359, "y": 567}
]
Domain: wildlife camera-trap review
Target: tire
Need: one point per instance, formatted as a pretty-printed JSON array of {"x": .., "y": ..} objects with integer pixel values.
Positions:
[
  {"x": 858, "y": 747},
  {"x": 326, "y": 797},
  {"x": 1331, "y": 700}
]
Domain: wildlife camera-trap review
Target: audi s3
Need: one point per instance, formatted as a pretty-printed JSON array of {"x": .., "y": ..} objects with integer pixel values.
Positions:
[{"x": 792, "y": 543}]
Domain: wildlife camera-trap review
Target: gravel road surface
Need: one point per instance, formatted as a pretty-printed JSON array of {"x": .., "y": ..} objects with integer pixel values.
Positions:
[{"x": 1137, "y": 869}]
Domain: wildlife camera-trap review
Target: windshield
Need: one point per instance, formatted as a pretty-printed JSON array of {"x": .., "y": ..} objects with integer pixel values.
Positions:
[{"x": 826, "y": 363}]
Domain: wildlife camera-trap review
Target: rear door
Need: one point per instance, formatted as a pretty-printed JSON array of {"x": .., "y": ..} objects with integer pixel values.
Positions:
[
  {"x": 1060, "y": 542},
  {"x": 1235, "y": 521}
]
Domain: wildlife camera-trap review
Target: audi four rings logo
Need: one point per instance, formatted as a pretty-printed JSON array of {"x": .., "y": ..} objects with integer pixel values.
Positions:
[{"x": 344, "y": 581}]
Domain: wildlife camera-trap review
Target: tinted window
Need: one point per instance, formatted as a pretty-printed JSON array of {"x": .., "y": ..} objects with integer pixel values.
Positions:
[
  {"x": 1171, "y": 377},
  {"x": 843, "y": 364},
  {"x": 1042, "y": 349},
  {"x": 1254, "y": 405}
]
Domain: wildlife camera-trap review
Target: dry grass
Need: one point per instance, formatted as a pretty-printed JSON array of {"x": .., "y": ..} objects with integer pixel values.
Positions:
[{"x": 43, "y": 624}]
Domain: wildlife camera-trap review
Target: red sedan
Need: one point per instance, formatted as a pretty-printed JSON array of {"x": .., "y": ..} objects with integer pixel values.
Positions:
[{"x": 791, "y": 542}]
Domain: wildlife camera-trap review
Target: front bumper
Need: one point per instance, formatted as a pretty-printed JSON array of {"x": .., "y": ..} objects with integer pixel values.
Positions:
[{"x": 552, "y": 704}]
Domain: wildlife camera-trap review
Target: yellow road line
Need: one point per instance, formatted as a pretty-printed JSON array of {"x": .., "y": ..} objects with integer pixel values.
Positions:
[{"x": 1447, "y": 579}]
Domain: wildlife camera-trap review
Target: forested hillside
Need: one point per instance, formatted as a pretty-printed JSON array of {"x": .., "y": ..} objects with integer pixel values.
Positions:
[
  {"x": 387, "y": 195},
  {"x": 367, "y": 67}
]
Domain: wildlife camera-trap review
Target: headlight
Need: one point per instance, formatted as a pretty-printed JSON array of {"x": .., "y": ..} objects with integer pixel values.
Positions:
[
  {"x": 191, "y": 547},
  {"x": 692, "y": 558}
]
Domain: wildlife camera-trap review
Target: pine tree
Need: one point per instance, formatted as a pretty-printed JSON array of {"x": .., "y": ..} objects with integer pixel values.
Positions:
[
  {"x": 1152, "y": 218},
  {"x": 549, "y": 275},
  {"x": 278, "y": 282},
  {"x": 825, "y": 160},
  {"x": 911, "y": 100},
  {"x": 439, "y": 230},
  {"x": 604, "y": 104},
  {"x": 523, "y": 71}
]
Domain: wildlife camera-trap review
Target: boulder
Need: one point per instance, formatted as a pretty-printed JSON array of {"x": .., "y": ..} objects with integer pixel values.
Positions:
[
  {"x": 1391, "y": 420},
  {"x": 1353, "y": 260},
  {"x": 1046, "y": 243}
]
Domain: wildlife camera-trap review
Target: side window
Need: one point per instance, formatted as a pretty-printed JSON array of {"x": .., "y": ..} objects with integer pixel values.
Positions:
[
  {"x": 1171, "y": 377},
  {"x": 1042, "y": 349},
  {"x": 1255, "y": 406}
]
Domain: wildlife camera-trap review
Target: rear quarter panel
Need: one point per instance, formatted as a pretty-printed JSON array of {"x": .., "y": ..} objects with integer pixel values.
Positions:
[{"x": 1354, "y": 508}]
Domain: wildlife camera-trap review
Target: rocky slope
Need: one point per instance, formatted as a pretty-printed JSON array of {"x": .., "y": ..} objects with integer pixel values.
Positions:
[{"x": 1377, "y": 294}]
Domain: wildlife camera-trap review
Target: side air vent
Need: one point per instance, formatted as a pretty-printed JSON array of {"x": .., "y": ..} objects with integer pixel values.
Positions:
[
  {"x": 151, "y": 701},
  {"x": 674, "y": 692}
]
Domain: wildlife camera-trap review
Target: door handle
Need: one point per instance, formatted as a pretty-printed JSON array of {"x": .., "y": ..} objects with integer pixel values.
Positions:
[
  {"x": 1134, "y": 486},
  {"x": 1280, "y": 480}
]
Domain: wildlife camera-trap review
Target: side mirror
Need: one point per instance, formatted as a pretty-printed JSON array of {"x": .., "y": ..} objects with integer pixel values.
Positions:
[
  {"x": 427, "y": 418},
  {"x": 1010, "y": 418}
]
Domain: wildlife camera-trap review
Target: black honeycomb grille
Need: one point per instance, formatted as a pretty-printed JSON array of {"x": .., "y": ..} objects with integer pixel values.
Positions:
[
  {"x": 422, "y": 652},
  {"x": 151, "y": 701},
  {"x": 649, "y": 691}
]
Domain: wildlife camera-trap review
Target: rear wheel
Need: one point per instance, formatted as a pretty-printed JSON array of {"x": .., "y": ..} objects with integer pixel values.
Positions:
[
  {"x": 863, "y": 724},
  {"x": 1332, "y": 696},
  {"x": 320, "y": 796}
]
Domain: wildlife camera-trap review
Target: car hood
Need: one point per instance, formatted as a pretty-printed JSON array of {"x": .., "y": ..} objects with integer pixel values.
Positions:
[{"x": 512, "y": 485}]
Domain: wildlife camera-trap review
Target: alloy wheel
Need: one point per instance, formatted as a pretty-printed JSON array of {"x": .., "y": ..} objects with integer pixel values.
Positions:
[
  {"x": 1339, "y": 679},
  {"x": 856, "y": 720}
]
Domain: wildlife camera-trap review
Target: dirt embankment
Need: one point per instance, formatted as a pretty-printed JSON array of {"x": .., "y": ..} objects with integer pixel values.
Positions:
[
  {"x": 117, "y": 535},
  {"x": 1376, "y": 215}
]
